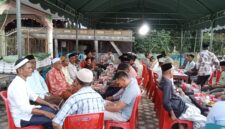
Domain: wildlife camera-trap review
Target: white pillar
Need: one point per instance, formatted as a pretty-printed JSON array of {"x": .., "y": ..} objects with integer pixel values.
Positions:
[
  {"x": 49, "y": 24},
  {"x": 49, "y": 39},
  {"x": 2, "y": 43},
  {"x": 56, "y": 47}
]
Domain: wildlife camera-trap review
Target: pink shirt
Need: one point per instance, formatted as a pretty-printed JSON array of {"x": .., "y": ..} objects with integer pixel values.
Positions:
[
  {"x": 57, "y": 82},
  {"x": 132, "y": 72}
]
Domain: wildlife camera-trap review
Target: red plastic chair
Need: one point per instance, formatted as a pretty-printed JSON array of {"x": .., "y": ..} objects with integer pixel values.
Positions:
[
  {"x": 165, "y": 120},
  {"x": 145, "y": 75},
  {"x": 84, "y": 121},
  {"x": 150, "y": 82},
  {"x": 82, "y": 64},
  {"x": 216, "y": 74},
  {"x": 140, "y": 81},
  {"x": 158, "y": 102},
  {"x": 168, "y": 122},
  {"x": 152, "y": 93},
  {"x": 11, "y": 124},
  {"x": 131, "y": 124}
]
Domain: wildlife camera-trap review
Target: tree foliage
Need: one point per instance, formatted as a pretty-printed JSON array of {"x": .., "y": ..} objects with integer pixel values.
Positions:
[
  {"x": 161, "y": 40},
  {"x": 156, "y": 41}
]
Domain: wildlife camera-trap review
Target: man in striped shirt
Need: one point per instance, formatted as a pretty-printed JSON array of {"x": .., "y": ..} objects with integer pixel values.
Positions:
[{"x": 85, "y": 101}]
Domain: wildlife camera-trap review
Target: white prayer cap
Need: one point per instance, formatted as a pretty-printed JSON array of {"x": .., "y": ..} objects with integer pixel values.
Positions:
[
  {"x": 85, "y": 75},
  {"x": 20, "y": 62},
  {"x": 168, "y": 60},
  {"x": 55, "y": 60},
  {"x": 161, "y": 59}
]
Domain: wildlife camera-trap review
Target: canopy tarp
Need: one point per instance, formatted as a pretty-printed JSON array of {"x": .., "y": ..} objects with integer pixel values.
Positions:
[{"x": 129, "y": 14}]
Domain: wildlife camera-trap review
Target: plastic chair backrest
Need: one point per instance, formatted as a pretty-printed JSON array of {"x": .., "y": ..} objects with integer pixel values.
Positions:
[
  {"x": 145, "y": 75},
  {"x": 150, "y": 73},
  {"x": 139, "y": 80},
  {"x": 218, "y": 75},
  {"x": 210, "y": 81},
  {"x": 213, "y": 126},
  {"x": 132, "y": 120},
  {"x": 85, "y": 121},
  {"x": 82, "y": 64},
  {"x": 11, "y": 124}
]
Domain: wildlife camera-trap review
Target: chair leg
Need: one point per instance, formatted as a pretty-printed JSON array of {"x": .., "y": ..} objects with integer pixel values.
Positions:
[{"x": 107, "y": 126}]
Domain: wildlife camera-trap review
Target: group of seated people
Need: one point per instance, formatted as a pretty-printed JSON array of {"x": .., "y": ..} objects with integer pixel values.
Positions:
[
  {"x": 68, "y": 90},
  {"x": 179, "y": 105}
]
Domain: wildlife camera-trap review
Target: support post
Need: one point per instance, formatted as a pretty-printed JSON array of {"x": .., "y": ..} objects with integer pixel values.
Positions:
[
  {"x": 56, "y": 47},
  {"x": 77, "y": 41},
  {"x": 96, "y": 49},
  {"x": 18, "y": 28},
  {"x": 201, "y": 40},
  {"x": 50, "y": 40},
  {"x": 28, "y": 42},
  {"x": 49, "y": 37},
  {"x": 181, "y": 43},
  {"x": 211, "y": 36},
  {"x": 196, "y": 36},
  {"x": 96, "y": 45}
]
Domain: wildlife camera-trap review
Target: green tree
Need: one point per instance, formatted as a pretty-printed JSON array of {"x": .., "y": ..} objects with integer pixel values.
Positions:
[{"x": 155, "y": 41}]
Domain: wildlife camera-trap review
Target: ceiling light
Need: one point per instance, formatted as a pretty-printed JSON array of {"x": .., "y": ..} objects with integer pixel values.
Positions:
[{"x": 143, "y": 30}]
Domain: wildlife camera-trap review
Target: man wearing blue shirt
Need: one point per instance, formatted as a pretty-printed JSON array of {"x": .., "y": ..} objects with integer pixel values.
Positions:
[
  {"x": 217, "y": 114},
  {"x": 122, "y": 109}
]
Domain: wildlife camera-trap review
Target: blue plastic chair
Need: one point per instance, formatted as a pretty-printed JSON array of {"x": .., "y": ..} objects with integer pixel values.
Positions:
[{"x": 214, "y": 126}]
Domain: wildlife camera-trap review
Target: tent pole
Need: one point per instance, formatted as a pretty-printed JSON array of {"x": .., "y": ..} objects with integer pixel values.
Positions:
[
  {"x": 181, "y": 43},
  {"x": 201, "y": 40},
  {"x": 211, "y": 36},
  {"x": 196, "y": 35},
  {"x": 18, "y": 28},
  {"x": 77, "y": 35}
]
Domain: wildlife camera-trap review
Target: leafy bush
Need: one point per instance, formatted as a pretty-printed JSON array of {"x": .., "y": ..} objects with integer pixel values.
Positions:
[
  {"x": 41, "y": 56},
  {"x": 10, "y": 58}
]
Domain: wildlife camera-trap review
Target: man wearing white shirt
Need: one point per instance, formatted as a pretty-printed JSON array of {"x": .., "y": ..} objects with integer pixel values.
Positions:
[
  {"x": 19, "y": 96},
  {"x": 65, "y": 63},
  {"x": 38, "y": 85},
  {"x": 72, "y": 66},
  {"x": 35, "y": 81},
  {"x": 190, "y": 64},
  {"x": 157, "y": 69}
]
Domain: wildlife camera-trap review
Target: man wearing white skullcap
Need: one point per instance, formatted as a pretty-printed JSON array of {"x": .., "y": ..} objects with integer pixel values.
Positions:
[
  {"x": 58, "y": 86},
  {"x": 38, "y": 84},
  {"x": 84, "y": 101},
  {"x": 19, "y": 96}
]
